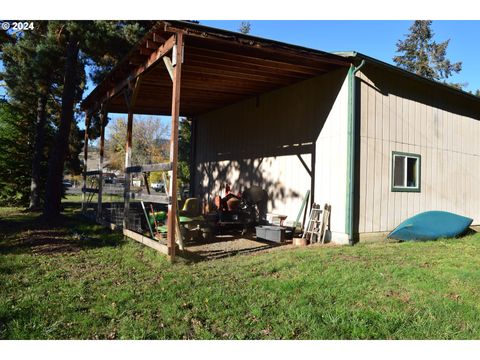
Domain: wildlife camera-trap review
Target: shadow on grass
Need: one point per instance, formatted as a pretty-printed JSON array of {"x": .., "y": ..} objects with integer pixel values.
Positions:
[
  {"x": 25, "y": 232},
  {"x": 10, "y": 268}
]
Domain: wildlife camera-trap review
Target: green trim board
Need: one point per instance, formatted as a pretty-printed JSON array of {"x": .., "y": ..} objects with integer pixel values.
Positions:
[
  {"x": 351, "y": 135},
  {"x": 419, "y": 173},
  {"x": 350, "y": 149}
]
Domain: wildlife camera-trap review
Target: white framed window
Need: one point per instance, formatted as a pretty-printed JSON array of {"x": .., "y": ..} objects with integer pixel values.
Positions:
[{"x": 405, "y": 172}]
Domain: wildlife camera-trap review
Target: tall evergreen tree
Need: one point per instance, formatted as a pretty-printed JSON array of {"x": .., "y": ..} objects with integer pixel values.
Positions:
[
  {"x": 30, "y": 73},
  {"x": 420, "y": 54},
  {"x": 58, "y": 155},
  {"x": 45, "y": 75},
  {"x": 245, "y": 27},
  {"x": 16, "y": 138},
  {"x": 96, "y": 43}
]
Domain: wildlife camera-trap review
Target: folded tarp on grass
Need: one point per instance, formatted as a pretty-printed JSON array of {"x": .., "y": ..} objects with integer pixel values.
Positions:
[{"x": 431, "y": 225}]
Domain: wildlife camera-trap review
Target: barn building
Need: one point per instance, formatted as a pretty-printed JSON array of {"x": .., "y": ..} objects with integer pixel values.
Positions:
[{"x": 377, "y": 143}]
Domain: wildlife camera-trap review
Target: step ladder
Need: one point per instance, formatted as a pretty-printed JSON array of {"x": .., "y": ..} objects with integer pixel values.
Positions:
[{"x": 318, "y": 224}]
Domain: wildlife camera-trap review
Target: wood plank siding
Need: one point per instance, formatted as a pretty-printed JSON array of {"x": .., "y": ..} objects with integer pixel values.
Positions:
[
  {"x": 398, "y": 114},
  {"x": 258, "y": 142},
  {"x": 331, "y": 164}
]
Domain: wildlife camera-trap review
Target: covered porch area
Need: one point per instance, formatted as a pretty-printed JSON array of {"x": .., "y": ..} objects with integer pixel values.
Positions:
[{"x": 213, "y": 77}]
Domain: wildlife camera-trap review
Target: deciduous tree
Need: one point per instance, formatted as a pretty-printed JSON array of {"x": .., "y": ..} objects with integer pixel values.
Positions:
[
  {"x": 184, "y": 150},
  {"x": 149, "y": 146}
]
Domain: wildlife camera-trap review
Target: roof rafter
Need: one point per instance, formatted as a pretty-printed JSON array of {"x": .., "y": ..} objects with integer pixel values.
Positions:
[
  {"x": 151, "y": 61},
  {"x": 220, "y": 67}
]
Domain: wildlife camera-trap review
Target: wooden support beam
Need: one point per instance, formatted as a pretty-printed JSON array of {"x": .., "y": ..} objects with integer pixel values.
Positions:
[
  {"x": 88, "y": 117},
  {"x": 269, "y": 48},
  {"x": 309, "y": 171},
  {"x": 149, "y": 44},
  {"x": 103, "y": 121},
  {"x": 128, "y": 157},
  {"x": 154, "y": 244},
  {"x": 157, "y": 38},
  {"x": 158, "y": 199},
  {"x": 131, "y": 93},
  {"x": 172, "y": 208},
  {"x": 146, "y": 241},
  {"x": 153, "y": 58},
  {"x": 130, "y": 99},
  {"x": 169, "y": 66},
  {"x": 149, "y": 168},
  {"x": 145, "y": 51}
]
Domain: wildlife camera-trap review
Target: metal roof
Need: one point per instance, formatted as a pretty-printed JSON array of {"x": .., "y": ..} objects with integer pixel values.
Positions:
[
  {"x": 354, "y": 55},
  {"x": 220, "y": 67}
]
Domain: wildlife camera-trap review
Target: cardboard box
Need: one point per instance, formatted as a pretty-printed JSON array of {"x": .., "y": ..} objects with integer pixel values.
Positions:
[{"x": 299, "y": 242}]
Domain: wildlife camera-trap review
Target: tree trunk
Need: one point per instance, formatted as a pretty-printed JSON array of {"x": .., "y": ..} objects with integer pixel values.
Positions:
[
  {"x": 37, "y": 151},
  {"x": 53, "y": 193}
]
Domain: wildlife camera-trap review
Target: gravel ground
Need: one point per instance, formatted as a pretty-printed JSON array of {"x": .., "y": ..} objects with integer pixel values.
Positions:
[{"x": 228, "y": 245}]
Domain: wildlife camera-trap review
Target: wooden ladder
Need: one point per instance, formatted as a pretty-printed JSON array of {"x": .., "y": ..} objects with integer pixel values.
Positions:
[
  {"x": 326, "y": 221},
  {"x": 318, "y": 224},
  {"x": 313, "y": 231}
]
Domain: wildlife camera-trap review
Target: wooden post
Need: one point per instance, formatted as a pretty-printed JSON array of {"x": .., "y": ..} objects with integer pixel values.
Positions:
[
  {"x": 128, "y": 159},
  {"x": 172, "y": 207},
  {"x": 103, "y": 116},
  {"x": 88, "y": 116},
  {"x": 130, "y": 98}
]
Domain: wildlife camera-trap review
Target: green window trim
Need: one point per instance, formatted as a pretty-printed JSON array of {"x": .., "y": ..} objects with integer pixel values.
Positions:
[{"x": 418, "y": 172}]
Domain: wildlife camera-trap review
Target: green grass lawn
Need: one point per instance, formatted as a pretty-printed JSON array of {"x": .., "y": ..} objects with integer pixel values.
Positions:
[
  {"x": 80, "y": 281},
  {"x": 76, "y": 198}
]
